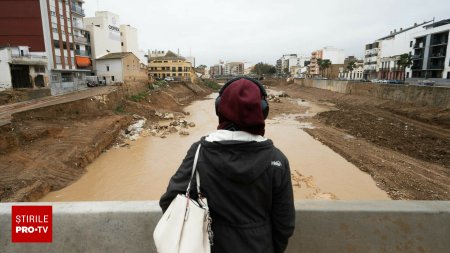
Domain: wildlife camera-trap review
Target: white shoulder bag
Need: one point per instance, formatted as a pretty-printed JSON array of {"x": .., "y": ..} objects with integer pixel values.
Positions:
[{"x": 185, "y": 227}]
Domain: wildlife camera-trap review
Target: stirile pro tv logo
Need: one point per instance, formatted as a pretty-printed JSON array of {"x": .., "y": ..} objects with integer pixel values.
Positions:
[{"x": 31, "y": 224}]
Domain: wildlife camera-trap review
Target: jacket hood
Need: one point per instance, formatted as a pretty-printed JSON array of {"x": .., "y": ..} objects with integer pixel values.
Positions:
[{"x": 238, "y": 161}]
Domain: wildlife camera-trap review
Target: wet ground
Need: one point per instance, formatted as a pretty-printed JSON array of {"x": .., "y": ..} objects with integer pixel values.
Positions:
[{"x": 142, "y": 170}]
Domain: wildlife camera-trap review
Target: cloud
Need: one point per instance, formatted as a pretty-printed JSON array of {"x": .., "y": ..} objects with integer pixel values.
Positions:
[{"x": 254, "y": 31}]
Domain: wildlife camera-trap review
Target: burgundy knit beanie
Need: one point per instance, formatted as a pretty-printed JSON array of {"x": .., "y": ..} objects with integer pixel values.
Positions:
[{"x": 240, "y": 106}]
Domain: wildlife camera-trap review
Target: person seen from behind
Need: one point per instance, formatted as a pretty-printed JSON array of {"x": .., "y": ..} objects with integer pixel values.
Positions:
[{"x": 245, "y": 178}]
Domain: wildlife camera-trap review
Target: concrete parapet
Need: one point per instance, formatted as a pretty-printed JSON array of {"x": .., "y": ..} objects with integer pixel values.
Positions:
[
  {"x": 413, "y": 94},
  {"x": 321, "y": 226}
]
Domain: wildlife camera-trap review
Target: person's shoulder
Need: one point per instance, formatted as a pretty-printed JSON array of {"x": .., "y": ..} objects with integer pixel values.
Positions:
[{"x": 275, "y": 148}]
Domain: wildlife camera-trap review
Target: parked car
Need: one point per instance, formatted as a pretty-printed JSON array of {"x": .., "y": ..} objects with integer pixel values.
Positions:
[
  {"x": 395, "y": 82},
  {"x": 169, "y": 78},
  {"x": 426, "y": 82},
  {"x": 93, "y": 81}
]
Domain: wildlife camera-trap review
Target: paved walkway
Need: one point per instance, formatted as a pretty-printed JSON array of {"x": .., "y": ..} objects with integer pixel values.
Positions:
[{"x": 7, "y": 110}]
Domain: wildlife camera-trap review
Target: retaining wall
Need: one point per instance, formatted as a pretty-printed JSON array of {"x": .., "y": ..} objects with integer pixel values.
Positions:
[
  {"x": 418, "y": 95},
  {"x": 321, "y": 226}
]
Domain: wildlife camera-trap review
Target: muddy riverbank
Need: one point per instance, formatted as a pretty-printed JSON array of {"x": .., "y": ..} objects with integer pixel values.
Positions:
[
  {"x": 142, "y": 169},
  {"x": 47, "y": 148},
  {"x": 405, "y": 148}
]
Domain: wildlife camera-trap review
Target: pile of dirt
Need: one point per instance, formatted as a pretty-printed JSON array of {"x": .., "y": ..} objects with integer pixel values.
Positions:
[
  {"x": 405, "y": 148},
  {"x": 47, "y": 153}
]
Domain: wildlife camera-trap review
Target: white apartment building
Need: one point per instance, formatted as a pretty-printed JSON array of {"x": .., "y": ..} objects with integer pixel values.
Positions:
[
  {"x": 104, "y": 29},
  {"x": 129, "y": 42},
  {"x": 288, "y": 61},
  {"x": 381, "y": 56},
  {"x": 431, "y": 53},
  {"x": 129, "y": 39}
]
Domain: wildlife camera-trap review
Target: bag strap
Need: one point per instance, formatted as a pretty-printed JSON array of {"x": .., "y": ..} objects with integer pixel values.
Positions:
[{"x": 194, "y": 171}]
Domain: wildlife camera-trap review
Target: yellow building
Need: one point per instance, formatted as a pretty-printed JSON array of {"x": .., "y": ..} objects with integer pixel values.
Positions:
[{"x": 170, "y": 65}]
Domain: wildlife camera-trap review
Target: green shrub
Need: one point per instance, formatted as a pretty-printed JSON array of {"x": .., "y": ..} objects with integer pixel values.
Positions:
[
  {"x": 120, "y": 109},
  {"x": 211, "y": 84},
  {"x": 139, "y": 97}
]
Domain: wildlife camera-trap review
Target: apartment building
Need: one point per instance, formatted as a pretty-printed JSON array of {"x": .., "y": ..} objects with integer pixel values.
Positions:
[
  {"x": 169, "y": 64},
  {"x": 129, "y": 42},
  {"x": 233, "y": 69},
  {"x": 287, "y": 63},
  {"x": 335, "y": 55},
  {"x": 104, "y": 29},
  {"x": 216, "y": 70},
  {"x": 46, "y": 26},
  {"x": 381, "y": 56},
  {"x": 431, "y": 52},
  {"x": 81, "y": 37}
]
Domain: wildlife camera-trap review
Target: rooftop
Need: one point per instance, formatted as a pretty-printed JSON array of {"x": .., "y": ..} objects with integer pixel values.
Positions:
[
  {"x": 169, "y": 56},
  {"x": 439, "y": 23},
  {"x": 114, "y": 56},
  {"x": 395, "y": 32}
]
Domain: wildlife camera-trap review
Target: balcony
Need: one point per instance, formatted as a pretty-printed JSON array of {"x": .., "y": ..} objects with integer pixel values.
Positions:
[
  {"x": 437, "y": 55},
  {"x": 82, "y": 52},
  {"x": 416, "y": 66},
  {"x": 439, "y": 43},
  {"x": 78, "y": 25},
  {"x": 439, "y": 66},
  {"x": 419, "y": 45},
  {"x": 77, "y": 9},
  {"x": 28, "y": 59},
  {"x": 79, "y": 39}
]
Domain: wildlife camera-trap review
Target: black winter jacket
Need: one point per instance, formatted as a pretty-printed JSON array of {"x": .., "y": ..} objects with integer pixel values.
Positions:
[{"x": 249, "y": 191}]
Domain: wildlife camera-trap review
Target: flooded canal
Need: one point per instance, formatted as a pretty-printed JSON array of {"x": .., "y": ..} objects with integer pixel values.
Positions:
[{"x": 142, "y": 171}]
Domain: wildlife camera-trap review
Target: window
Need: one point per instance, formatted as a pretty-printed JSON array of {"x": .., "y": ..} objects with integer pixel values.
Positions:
[
  {"x": 410, "y": 44},
  {"x": 112, "y": 78},
  {"x": 448, "y": 75},
  {"x": 180, "y": 69},
  {"x": 107, "y": 68},
  {"x": 67, "y": 77},
  {"x": 122, "y": 44},
  {"x": 55, "y": 78},
  {"x": 39, "y": 69}
]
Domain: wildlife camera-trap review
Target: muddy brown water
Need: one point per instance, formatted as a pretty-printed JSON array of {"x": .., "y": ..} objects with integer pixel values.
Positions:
[{"x": 142, "y": 171}]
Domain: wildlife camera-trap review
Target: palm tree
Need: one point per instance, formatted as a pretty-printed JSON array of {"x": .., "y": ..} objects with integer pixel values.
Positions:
[
  {"x": 405, "y": 61},
  {"x": 320, "y": 64},
  {"x": 326, "y": 64},
  {"x": 350, "y": 67}
]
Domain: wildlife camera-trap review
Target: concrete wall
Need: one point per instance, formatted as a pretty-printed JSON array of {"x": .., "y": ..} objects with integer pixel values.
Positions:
[
  {"x": 418, "y": 95},
  {"x": 321, "y": 226},
  {"x": 5, "y": 72}
]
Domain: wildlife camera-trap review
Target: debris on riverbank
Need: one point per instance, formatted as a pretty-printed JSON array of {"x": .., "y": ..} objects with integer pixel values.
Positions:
[{"x": 47, "y": 148}]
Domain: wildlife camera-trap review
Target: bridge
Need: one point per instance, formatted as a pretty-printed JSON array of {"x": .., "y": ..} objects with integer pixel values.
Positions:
[{"x": 321, "y": 226}]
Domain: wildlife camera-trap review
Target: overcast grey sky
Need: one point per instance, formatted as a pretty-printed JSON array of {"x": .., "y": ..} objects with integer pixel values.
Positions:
[{"x": 263, "y": 30}]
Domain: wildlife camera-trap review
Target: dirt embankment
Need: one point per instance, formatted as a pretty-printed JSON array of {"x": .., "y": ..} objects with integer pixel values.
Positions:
[
  {"x": 405, "y": 148},
  {"x": 48, "y": 148}
]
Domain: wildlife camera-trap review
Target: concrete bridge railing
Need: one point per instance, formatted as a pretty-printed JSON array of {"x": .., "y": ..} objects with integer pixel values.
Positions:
[{"x": 321, "y": 226}]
